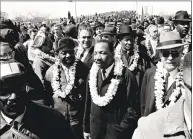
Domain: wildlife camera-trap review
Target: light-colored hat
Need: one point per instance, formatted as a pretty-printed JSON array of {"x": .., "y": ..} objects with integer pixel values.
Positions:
[{"x": 169, "y": 40}]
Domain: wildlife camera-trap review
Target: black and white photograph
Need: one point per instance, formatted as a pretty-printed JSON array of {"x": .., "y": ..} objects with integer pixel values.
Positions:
[{"x": 96, "y": 69}]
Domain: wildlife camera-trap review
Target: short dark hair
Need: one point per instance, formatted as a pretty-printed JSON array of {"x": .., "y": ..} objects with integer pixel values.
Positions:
[
  {"x": 188, "y": 61},
  {"x": 110, "y": 44}
]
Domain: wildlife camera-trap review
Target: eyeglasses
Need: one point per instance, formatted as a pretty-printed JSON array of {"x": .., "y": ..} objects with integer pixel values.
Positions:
[{"x": 174, "y": 54}]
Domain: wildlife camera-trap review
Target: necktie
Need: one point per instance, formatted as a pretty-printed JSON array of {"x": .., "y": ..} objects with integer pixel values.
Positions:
[
  {"x": 166, "y": 80},
  {"x": 103, "y": 74}
]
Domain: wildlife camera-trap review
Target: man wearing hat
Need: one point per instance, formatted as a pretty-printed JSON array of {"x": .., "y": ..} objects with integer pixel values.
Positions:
[
  {"x": 66, "y": 85},
  {"x": 98, "y": 29},
  {"x": 129, "y": 53},
  {"x": 182, "y": 25},
  {"x": 11, "y": 49},
  {"x": 21, "y": 118},
  {"x": 109, "y": 33},
  {"x": 172, "y": 122},
  {"x": 161, "y": 86}
]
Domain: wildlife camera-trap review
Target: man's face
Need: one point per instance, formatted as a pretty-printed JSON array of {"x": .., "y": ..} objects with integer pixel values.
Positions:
[
  {"x": 153, "y": 32},
  {"x": 146, "y": 24},
  {"x": 66, "y": 56},
  {"x": 182, "y": 27},
  {"x": 171, "y": 58},
  {"x": 103, "y": 57},
  {"x": 6, "y": 52},
  {"x": 57, "y": 30},
  {"x": 12, "y": 99},
  {"x": 126, "y": 43},
  {"x": 99, "y": 30},
  {"x": 33, "y": 34},
  {"x": 85, "y": 39},
  {"x": 108, "y": 37}
]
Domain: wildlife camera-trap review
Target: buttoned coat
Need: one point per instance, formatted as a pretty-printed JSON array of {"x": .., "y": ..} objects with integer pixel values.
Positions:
[{"x": 116, "y": 120}]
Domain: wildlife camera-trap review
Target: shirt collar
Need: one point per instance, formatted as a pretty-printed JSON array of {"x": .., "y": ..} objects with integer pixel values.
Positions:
[
  {"x": 9, "y": 120},
  {"x": 172, "y": 73},
  {"x": 108, "y": 70}
]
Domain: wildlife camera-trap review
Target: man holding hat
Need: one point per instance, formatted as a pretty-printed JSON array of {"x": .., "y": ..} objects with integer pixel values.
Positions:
[
  {"x": 22, "y": 119},
  {"x": 129, "y": 53},
  {"x": 182, "y": 25},
  {"x": 161, "y": 86},
  {"x": 66, "y": 85}
]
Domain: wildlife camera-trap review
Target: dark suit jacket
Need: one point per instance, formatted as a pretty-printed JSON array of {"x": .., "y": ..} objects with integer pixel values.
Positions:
[
  {"x": 42, "y": 123},
  {"x": 72, "y": 107},
  {"x": 147, "y": 96},
  {"x": 118, "y": 119},
  {"x": 89, "y": 58}
]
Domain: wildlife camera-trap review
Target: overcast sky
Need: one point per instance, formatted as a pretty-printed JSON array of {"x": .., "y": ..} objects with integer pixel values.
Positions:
[{"x": 59, "y": 9}]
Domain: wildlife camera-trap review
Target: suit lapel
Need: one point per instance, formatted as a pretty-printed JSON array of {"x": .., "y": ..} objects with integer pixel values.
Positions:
[
  {"x": 125, "y": 62},
  {"x": 89, "y": 55}
]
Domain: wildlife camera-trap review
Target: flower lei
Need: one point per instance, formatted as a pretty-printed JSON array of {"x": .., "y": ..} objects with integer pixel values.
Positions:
[
  {"x": 118, "y": 53},
  {"x": 58, "y": 92},
  {"x": 112, "y": 89},
  {"x": 159, "y": 86},
  {"x": 147, "y": 45}
]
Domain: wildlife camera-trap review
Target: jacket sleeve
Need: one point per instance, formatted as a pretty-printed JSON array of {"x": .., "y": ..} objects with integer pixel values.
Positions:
[
  {"x": 86, "y": 117},
  {"x": 132, "y": 114},
  {"x": 143, "y": 93},
  {"x": 35, "y": 87}
]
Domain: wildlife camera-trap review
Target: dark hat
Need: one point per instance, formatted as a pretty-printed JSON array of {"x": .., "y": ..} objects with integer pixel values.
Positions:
[
  {"x": 125, "y": 30},
  {"x": 98, "y": 24},
  {"x": 169, "y": 40},
  {"x": 133, "y": 20},
  {"x": 67, "y": 43},
  {"x": 70, "y": 30},
  {"x": 8, "y": 32},
  {"x": 109, "y": 29},
  {"x": 182, "y": 16},
  {"x": 160, "y": 20}
]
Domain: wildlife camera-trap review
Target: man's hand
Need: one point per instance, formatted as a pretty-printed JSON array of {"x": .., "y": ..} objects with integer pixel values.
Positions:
[{"x": 86, "y": 135}]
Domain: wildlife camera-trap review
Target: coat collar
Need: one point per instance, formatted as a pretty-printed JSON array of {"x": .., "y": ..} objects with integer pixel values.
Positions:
[{"x": 175, "y": 119}]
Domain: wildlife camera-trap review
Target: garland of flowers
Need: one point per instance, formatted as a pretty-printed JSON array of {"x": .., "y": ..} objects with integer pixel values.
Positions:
[
  {"x": 159, "y": 87},
  {"x": 58, "y": 92},
  {"x": 147, "y": 45},
  {"x": 118, "y": 53},
  {"x": 112, "y": 89}
]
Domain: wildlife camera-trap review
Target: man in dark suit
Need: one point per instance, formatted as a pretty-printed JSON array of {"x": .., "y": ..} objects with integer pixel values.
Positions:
[
  {"x": 112, "y": 100},
  {"x": 130, "y": 54},
  {"x": 160, "y": 84},
  {"x": 68, "y": 77},
  {"x": 85, "y": 49},
  {"x": 21, "y": 118}
]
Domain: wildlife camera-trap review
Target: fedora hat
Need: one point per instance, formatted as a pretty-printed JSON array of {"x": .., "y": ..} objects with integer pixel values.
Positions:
[
  {"x": 169, "y": 40},
  {"x": 125, "y": 30},
  {"x": 98, "y": 24},
  {"x": 182, "y": 16},
  {"x": 109, "y": 29}
]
